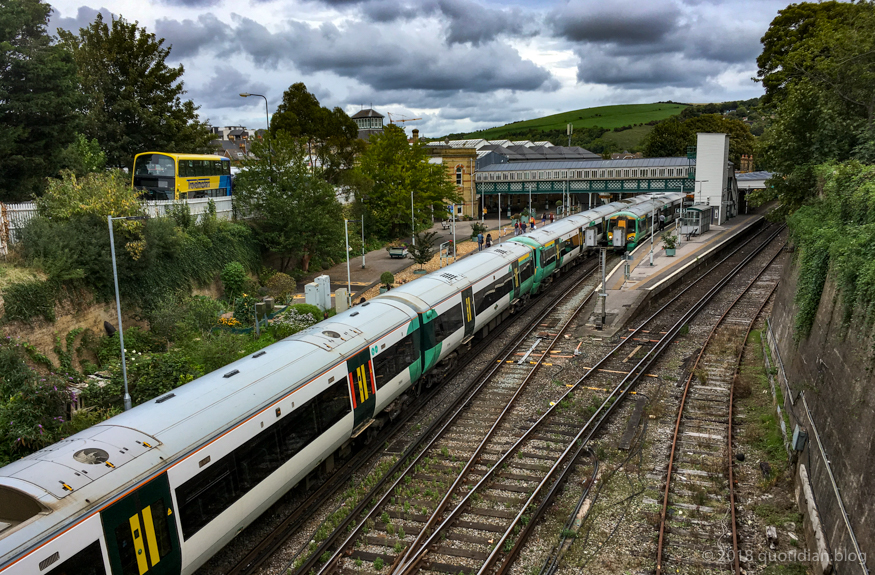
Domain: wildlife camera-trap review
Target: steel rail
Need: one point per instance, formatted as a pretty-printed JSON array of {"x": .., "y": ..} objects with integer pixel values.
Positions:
[
  {"x": 708, "y": 339},
  {"x": 258, "y": 555},
  {"x": 635, "y": 373},
  {"x": 435, "y": 430}
]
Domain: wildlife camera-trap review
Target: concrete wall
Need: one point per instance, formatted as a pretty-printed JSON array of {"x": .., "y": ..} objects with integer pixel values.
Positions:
[
  {"x": 827, "y": 382},
  {"x": 712, "y": 157}
]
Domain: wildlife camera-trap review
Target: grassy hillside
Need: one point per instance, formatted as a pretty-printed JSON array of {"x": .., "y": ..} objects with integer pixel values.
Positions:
[
  {"x": 628, "y": 139},
  {"x": 604, "y": 116}
]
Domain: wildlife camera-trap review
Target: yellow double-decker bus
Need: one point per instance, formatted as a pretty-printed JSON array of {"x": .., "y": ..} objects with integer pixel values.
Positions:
[{"x": 165, "y": 176}]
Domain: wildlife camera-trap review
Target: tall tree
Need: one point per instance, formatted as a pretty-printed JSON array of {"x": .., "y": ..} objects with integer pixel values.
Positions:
[
  {"x": 394, "y": 168},
  {"x": 297, "y": 217},
  {"x": 134, "y": 98},
  {"x": 331, "y": 136},
  {"x": 39, "y": 97},
  {"x": 818, "y": 68},
  {"x": 671, "y": 137}
]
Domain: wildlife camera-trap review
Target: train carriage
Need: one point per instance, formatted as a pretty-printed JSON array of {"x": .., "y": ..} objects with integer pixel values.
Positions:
[{"x": 638, "y": 220}]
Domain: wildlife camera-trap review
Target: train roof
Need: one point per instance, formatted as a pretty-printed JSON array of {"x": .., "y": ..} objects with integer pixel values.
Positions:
[
  {"x": 644, "y": 208},
  {"x": 427, "y": 291},
  {"x": 83, "y": 471}
]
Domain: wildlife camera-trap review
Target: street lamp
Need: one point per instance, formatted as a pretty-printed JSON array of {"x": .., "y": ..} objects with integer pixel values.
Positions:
[
  {"x": 118, "y": 305},
  {"x": 412, "y": 220},
  {"x": 267, "y": 123}
]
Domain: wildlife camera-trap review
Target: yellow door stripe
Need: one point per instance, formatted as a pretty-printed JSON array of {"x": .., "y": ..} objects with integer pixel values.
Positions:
[
  {"x": 152, "y": 541},
  {"x": 138, "y": 544}
]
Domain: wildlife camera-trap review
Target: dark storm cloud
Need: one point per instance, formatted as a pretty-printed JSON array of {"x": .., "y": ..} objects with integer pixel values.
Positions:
[
  {"x": 85, "y": 15},
  {"x": 224, "y": 87},
  {"x": 666, "y": 70},
  {"x": 635, "y": 23},
  {"x": 393, "y": 62},
  {"x": 189, "y": 37}
]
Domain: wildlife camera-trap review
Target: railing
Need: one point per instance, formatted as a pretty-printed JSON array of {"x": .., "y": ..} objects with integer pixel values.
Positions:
[{"x": 13, "y": 217}]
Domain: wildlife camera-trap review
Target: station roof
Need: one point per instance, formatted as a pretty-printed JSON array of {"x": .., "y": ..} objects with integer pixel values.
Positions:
[
  {"x": 753, "y": 175},
  {"x": 589, "y": 164}
]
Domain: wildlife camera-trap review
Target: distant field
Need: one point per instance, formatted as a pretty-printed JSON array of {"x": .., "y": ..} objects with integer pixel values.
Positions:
[
  {"x": 628, "y": 139},
  {"x": 604, "y": 116}
]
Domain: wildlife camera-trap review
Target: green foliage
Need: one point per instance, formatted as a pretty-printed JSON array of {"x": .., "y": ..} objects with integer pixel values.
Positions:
[
  {"x": 244, "y": 309},
  {"x": 834, "y": 234},
  {"x": 233, "y": 276},
  {"x": 818, "y": 68},
  {"x": 378, "y": 564},
  {"x": 39, "y": 99},
  {"x": 478, "y": 228},
  {"x": 297, "y": 217},
  {"x": 134, "y": 99},
  {"x": 669, "y": 241},
  {"x": 392, "y": 167},
  {"x": 182, "y": 316},
  {"x": 387, "y": 279},
  {"x": 281, "y": 287},
  {"x": 155, "y": 258},
  {"x": 84, "y": 156},
  {"x": 330, "y": 136},
  {"x": 424, "y": 249},
  {"x": 671, "y": 138},
  {"x": 99, "y": 194},
  {"x": 27, "y": 300}
]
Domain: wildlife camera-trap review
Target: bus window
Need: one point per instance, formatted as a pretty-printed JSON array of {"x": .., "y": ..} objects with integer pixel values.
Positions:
[{"x": 154, "y": 165}]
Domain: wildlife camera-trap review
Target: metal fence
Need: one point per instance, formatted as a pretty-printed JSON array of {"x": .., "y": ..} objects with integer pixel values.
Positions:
[{"x": 13, "y": 217}]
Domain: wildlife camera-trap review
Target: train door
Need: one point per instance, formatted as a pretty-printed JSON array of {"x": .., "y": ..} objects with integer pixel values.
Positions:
[
  {"x": 140, "y": 532},
  {"x": 468, "y": 311},
  {"x": 362, "y": 387},
  {"x": 515, "y": 272}
]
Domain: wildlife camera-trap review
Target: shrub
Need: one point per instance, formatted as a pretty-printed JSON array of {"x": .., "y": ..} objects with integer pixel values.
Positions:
[
  {"x": 281, "y": 287},
  {"x": 233, "y": 276},
  {"x": 387, "y": 279},
  {"x": 244, "y": 310},
  {"x": 30, "y": 299}
]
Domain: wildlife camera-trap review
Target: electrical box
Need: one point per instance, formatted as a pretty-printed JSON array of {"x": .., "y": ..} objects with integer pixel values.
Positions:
[
  {"x": 312, "y": 295},
  {"x": 800, "y": 438},
  {"x": 325, "y": 292},
  {"x": 619, "y": 237},
  {"x": 341, "y": 300},
  {"x": 592, "y": 237}
]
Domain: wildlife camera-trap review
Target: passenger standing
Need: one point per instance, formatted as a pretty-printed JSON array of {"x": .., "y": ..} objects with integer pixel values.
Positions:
[
  {"x": 516, "y": 227},
  {"x": 661, "y": 222},
  {"x": 552, "y": 218},
  {"x": 480, "y": 241},
  {"x": 544, "y": 219},
  {"x": 523, "y": 227},
  {"x": 488, "y": 240}
]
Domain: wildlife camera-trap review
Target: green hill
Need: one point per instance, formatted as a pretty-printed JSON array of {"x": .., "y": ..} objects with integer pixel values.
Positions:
[{"x": 604, "y": 116}]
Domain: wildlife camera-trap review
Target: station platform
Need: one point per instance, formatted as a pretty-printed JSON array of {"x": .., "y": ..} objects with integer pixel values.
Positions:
[{"x": 626, "y": 294}]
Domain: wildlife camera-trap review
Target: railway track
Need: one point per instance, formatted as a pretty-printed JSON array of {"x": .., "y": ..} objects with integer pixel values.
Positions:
[
  {"x": 697, "y": 526},
  {"x": 500, "y": 499},
  {"x": 276, "y": 539},
  {"x": 496, "y": 412}
]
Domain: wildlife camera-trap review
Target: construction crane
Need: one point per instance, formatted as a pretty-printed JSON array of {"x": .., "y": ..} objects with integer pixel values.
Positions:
[{"x": 399, "y": 118}]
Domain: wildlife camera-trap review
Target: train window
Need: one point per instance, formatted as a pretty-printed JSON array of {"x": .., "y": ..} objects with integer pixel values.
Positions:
[
  {"x": 448, "y": 323},
  {"x": 298, "y": 429},
  {"x": 124, "y": 540},
  {"x": 203, "y": 497},
  {"x": 492, "y": 293},
  {"x": 548, "y": 256},
  {"x": 89, "y": 561},
  {"x": 258, "y": 458},
  {"x": 394, "y": 360},
  {"x": 332, "y": 405},
  {"x": 526, "y": 270}
]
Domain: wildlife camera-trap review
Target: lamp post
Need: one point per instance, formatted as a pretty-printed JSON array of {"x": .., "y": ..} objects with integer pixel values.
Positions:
[
  {"x": 118, "y": 305},
  {"x": 412, "y": 220},
  {"x": 363, "y": 241},
  {"x": 348, "y": 276},
  {"x": 267, "y": 123}
]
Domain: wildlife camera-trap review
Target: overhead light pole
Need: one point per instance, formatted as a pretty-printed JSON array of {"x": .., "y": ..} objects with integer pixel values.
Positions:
[
  {"x": 118, "y": 305},
  {"x": 412, "y": 220},
  {"x": 267, "y": 124}
]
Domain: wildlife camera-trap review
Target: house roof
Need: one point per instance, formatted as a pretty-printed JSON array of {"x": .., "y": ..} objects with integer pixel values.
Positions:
[
  {"x": 753, "y": 175},
  {"x": 369, "y": 113}
]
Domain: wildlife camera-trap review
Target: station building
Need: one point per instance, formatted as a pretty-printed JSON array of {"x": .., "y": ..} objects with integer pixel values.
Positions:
[{"x": 705, "y": 174}]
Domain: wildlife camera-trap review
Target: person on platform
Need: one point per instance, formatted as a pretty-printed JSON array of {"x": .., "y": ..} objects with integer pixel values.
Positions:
[
  {"x": 480, "y": 242},
  {"x": 661, "y": 222},
  {"x": 552, "y": 218},
  {"x": 488, "y": 240},
  {"x": 522, "y": 227}
]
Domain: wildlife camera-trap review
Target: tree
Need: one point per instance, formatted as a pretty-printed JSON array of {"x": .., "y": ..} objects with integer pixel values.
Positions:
[
  {"x": 84, "y": 156},
  {"x": 423, "y": 250},
  {"x": 393, "y": 169},
  {"x": 134, "y": 99},
  {"x": 296, "y": 216},
  {"x": 671, "y": 137},
  {"x": 331, "y": 136},
  {"x": 39, "y": 97},
  {"x": 818, "y": 68}
]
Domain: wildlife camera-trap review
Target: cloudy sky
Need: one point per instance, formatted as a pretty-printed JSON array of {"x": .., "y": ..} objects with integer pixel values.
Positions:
[{"x": 457, "y": 64}]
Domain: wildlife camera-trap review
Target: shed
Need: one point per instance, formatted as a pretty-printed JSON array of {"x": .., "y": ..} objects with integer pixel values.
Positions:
[{"x": 697, "y": 219}]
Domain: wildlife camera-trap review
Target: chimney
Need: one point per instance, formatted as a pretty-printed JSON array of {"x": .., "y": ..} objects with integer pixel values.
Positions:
[{"x": 415, "y": 135}]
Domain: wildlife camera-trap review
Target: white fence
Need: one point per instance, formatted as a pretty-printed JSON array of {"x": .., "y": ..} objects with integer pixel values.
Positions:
[{"x": 13, "y": 217}]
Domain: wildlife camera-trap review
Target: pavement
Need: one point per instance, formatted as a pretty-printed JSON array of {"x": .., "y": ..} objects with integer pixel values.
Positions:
[{"x": 364, "y": 277}]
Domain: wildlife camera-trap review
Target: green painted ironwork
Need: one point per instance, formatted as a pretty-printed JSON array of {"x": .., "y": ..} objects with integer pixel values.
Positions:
[{"x": 588, "y": 186}]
